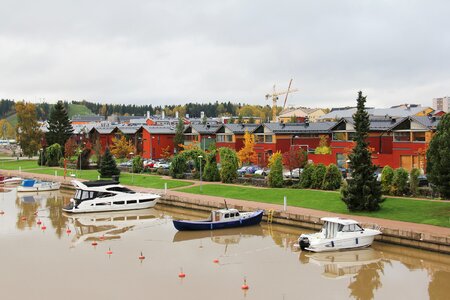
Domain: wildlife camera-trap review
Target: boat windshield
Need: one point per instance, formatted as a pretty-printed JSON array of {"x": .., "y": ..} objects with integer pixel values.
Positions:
[
  {"x": 350, "y": 228},
  {"x": 81, "y": 195},
  {"x": 121, "y": 189}
]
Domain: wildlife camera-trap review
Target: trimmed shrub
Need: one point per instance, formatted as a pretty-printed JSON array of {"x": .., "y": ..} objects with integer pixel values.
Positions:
[
  {"x": 386, "y": 179},
  {"x": 276, "y": 171},
  {"x": 332, "y": 179},
  {"x": 414, "y": 181},
  {"x": 178, "y": 167},
  {"x": 52, "y": 155},
  {"x": 318, "y": 176},
  {"x": 211, "y": 170},
  {"x": 137, "y": 164},
  {"x": 400, "y": 182},
  {"x": 306, "y": 176},
  {"x": 230, "y": 163}
]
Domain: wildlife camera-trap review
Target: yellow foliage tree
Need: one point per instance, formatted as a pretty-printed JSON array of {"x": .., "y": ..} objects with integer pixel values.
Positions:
[
  {"x": 273, "y": 158},
  {"x": 121, "y": 148},
  {"x": 7, "y": 130},
  {"x": 247, "y": 154},
  {"x": 192, "y": 146}
]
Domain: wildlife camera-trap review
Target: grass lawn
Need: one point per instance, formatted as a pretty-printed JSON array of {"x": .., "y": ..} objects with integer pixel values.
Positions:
[
  {"x": 150, "y": 181},
  {"x": 402, "y": 209}
]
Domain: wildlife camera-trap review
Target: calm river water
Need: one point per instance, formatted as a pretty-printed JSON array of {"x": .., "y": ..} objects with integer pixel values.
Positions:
[{"x": 57, "y": 264}]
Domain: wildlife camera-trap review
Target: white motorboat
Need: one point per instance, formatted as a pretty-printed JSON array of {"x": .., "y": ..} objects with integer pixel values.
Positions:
[
  {"x": 32, "y": 185},
  {"x": 10, "y": 180},
  {"x": 107, "y": 195},
  {"x": 338, "y": 234}
]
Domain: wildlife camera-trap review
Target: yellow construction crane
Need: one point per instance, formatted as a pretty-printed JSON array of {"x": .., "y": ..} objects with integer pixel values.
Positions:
[{"x": 275, "y": 95}]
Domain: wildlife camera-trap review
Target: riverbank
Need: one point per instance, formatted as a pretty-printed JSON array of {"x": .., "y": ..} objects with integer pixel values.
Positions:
[{"x": 422, "y": 236}]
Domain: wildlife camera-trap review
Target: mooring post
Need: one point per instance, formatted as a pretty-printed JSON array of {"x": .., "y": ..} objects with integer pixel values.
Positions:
[
  {"x": 285, "y": 203},
  {"x": 165, "y": 188}
]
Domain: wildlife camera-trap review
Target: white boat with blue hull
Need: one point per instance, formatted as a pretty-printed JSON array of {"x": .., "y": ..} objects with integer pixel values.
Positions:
[
  {"x": 32, "y": 185},
  {"x": 107, "y": 195},
  {"x": 338, "y": 234}
]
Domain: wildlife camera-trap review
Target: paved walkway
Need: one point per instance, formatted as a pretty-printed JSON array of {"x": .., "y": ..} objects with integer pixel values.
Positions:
[{"x": 391, "y": 224}]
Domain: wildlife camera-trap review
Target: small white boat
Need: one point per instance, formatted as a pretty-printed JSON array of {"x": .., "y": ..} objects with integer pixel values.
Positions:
[
  {"x": 32, "y": 185},
  {"x": 10, "y": 180},
  {"x": 338, "y": 234},
  {"x": 107, "y": 195}
]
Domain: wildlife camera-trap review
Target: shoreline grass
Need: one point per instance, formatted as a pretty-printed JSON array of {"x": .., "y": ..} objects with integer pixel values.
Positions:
[{"x": 400, "y": 209}]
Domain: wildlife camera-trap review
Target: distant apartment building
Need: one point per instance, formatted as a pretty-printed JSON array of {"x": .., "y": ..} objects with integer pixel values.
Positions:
[{"x": 441, "y": 104}]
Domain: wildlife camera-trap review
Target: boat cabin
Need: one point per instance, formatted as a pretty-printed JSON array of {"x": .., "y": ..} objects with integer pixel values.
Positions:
[
  {"x": 332, "y": 226},
  {"x": 224, "y": 215}
]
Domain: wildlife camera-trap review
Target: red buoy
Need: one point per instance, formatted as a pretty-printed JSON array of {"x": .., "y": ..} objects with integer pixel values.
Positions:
[
  {"x": 23, "y": 218},
  {"x": 109, "y": 252},
  {"x": 1, "y": 212},
  {"x": 102, "y": 238},
  {"x": 181, "y": 274},
  {"x": 216, "y": 261},
  {"x": 94, "y": 243},
  {"x": 39, "y": 222},
  {"x": 43, "y": 227},
  {"x": 141, "y": 257},
  {"x": 244, "y": 286},
  {"x": 68, "y": 230},
  {"x": 35, "y": 213}
]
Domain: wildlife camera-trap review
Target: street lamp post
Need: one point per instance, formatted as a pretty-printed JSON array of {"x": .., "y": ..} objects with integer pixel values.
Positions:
[
  {"x": 132, "y": 171},
  {"x": 200, "y": 158}
]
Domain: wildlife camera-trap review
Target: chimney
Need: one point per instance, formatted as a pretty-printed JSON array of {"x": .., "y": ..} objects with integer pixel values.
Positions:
[
  {"x": 202, "y": 114},
  {"x": 283, "y": 125},
  {"x": 393, "y": 120},
  {"x": 433, "y": 119},
  {"x": 163, "y": 114},
  {"x": 148, "y": 114},
  {"x": 187, "y": 116},
  {"x": 176, "y": 114}
]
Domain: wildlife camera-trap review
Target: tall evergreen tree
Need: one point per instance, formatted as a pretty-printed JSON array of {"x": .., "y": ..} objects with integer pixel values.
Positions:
[
  {"x": 179, "y": 136},
  {"x": 363, "y": 191},
  {"x": 108, "y": 167},
  {"x": 59, "y": 127},
  {"x": 438, "y": 154}
]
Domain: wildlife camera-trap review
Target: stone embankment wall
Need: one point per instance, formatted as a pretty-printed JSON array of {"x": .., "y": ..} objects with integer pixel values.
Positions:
[{"x": 390, "y": 235}]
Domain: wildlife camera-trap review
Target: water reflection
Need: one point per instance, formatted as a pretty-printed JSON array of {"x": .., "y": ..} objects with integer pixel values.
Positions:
[
  {"x": 221, "y": 236},
  {"x": 108, "y": 225}
]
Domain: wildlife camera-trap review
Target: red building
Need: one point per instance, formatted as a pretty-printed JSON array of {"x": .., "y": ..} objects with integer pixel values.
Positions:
[
  {"x": 203, "y": 134},
  {"x": 156, "y": 140},
  {"x": 104, "y": 135}
]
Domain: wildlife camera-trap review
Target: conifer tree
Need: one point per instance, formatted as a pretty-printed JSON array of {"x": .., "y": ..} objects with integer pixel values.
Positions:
[
  {"x": 230, "y": 162},
  {"x": 276, "y": 170},
  {"x": 108, "y": 167},
  {"x": 59, "y": 127},
  {"x": 364, "y": 191},
  {"x": 179, "y": 136},
  {"x": 211, "y": 171},
  {"x": 438, "y": 157}
]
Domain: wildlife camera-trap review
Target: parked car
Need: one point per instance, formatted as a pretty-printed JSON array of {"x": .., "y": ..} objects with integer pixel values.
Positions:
[
  {"x": 126, "y": 164},
  {"x": 423, "y": 181},
  {"x": 242, "y": 170},
  {"x": 252, "y": 169},
  {"x": 295, "y": 173},
  {"x": 262, "y": 172}
]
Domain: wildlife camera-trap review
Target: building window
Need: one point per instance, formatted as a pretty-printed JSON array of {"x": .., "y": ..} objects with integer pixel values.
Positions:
[
  {"x": 401, "y": 137},
  {"x": 418, "y": 136},
  {"x": 351, "y": 136},
  {"x": 225, "y": 138},
  {"x": 269, "y": 138},
  {"x": 339, "y": 136},
  {"x": 259, "y": 138}
]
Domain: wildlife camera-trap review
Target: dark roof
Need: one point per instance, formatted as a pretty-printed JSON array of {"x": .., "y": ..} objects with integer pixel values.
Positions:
[
  {"x": 205, "y": 128},
  {"x": 429, "y": 122},
  {"x": 294, "y": 128},
  {"x": 104, "y": 129},
  {"x": 241, "y": 128},
  {"x": 376, "y": 124},
  {"x": 99, "y": 183},
  {"x": 129, "y": 129},
  {"x": 160, "y": 129}
]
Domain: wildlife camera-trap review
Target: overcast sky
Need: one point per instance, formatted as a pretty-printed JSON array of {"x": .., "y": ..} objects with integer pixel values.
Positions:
[{"x": 173, "y": 52}]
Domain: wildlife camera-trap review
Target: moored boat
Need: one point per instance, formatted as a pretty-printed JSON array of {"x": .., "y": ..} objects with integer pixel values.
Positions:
[
  {"x": 338, "y": 234},
  {"x": 220, "y": 219},
  {"x": 107, "y": 195},
  {"x": 10, "y": 180},
  {"x": 32, "y": 185}
]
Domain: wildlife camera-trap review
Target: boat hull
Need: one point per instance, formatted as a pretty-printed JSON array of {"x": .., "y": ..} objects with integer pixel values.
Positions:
[
  {"x": 110, "y": 206},
  {"x": 337, "y": 244},
  {"x": 183, "y": 225},
  {"x": 51, "y": 187}
]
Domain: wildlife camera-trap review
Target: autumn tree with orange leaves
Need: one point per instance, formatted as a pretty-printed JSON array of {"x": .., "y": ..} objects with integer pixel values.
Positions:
[
  {"x": 247, "y": 154},
  {"x": 121, "y": 147}
]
